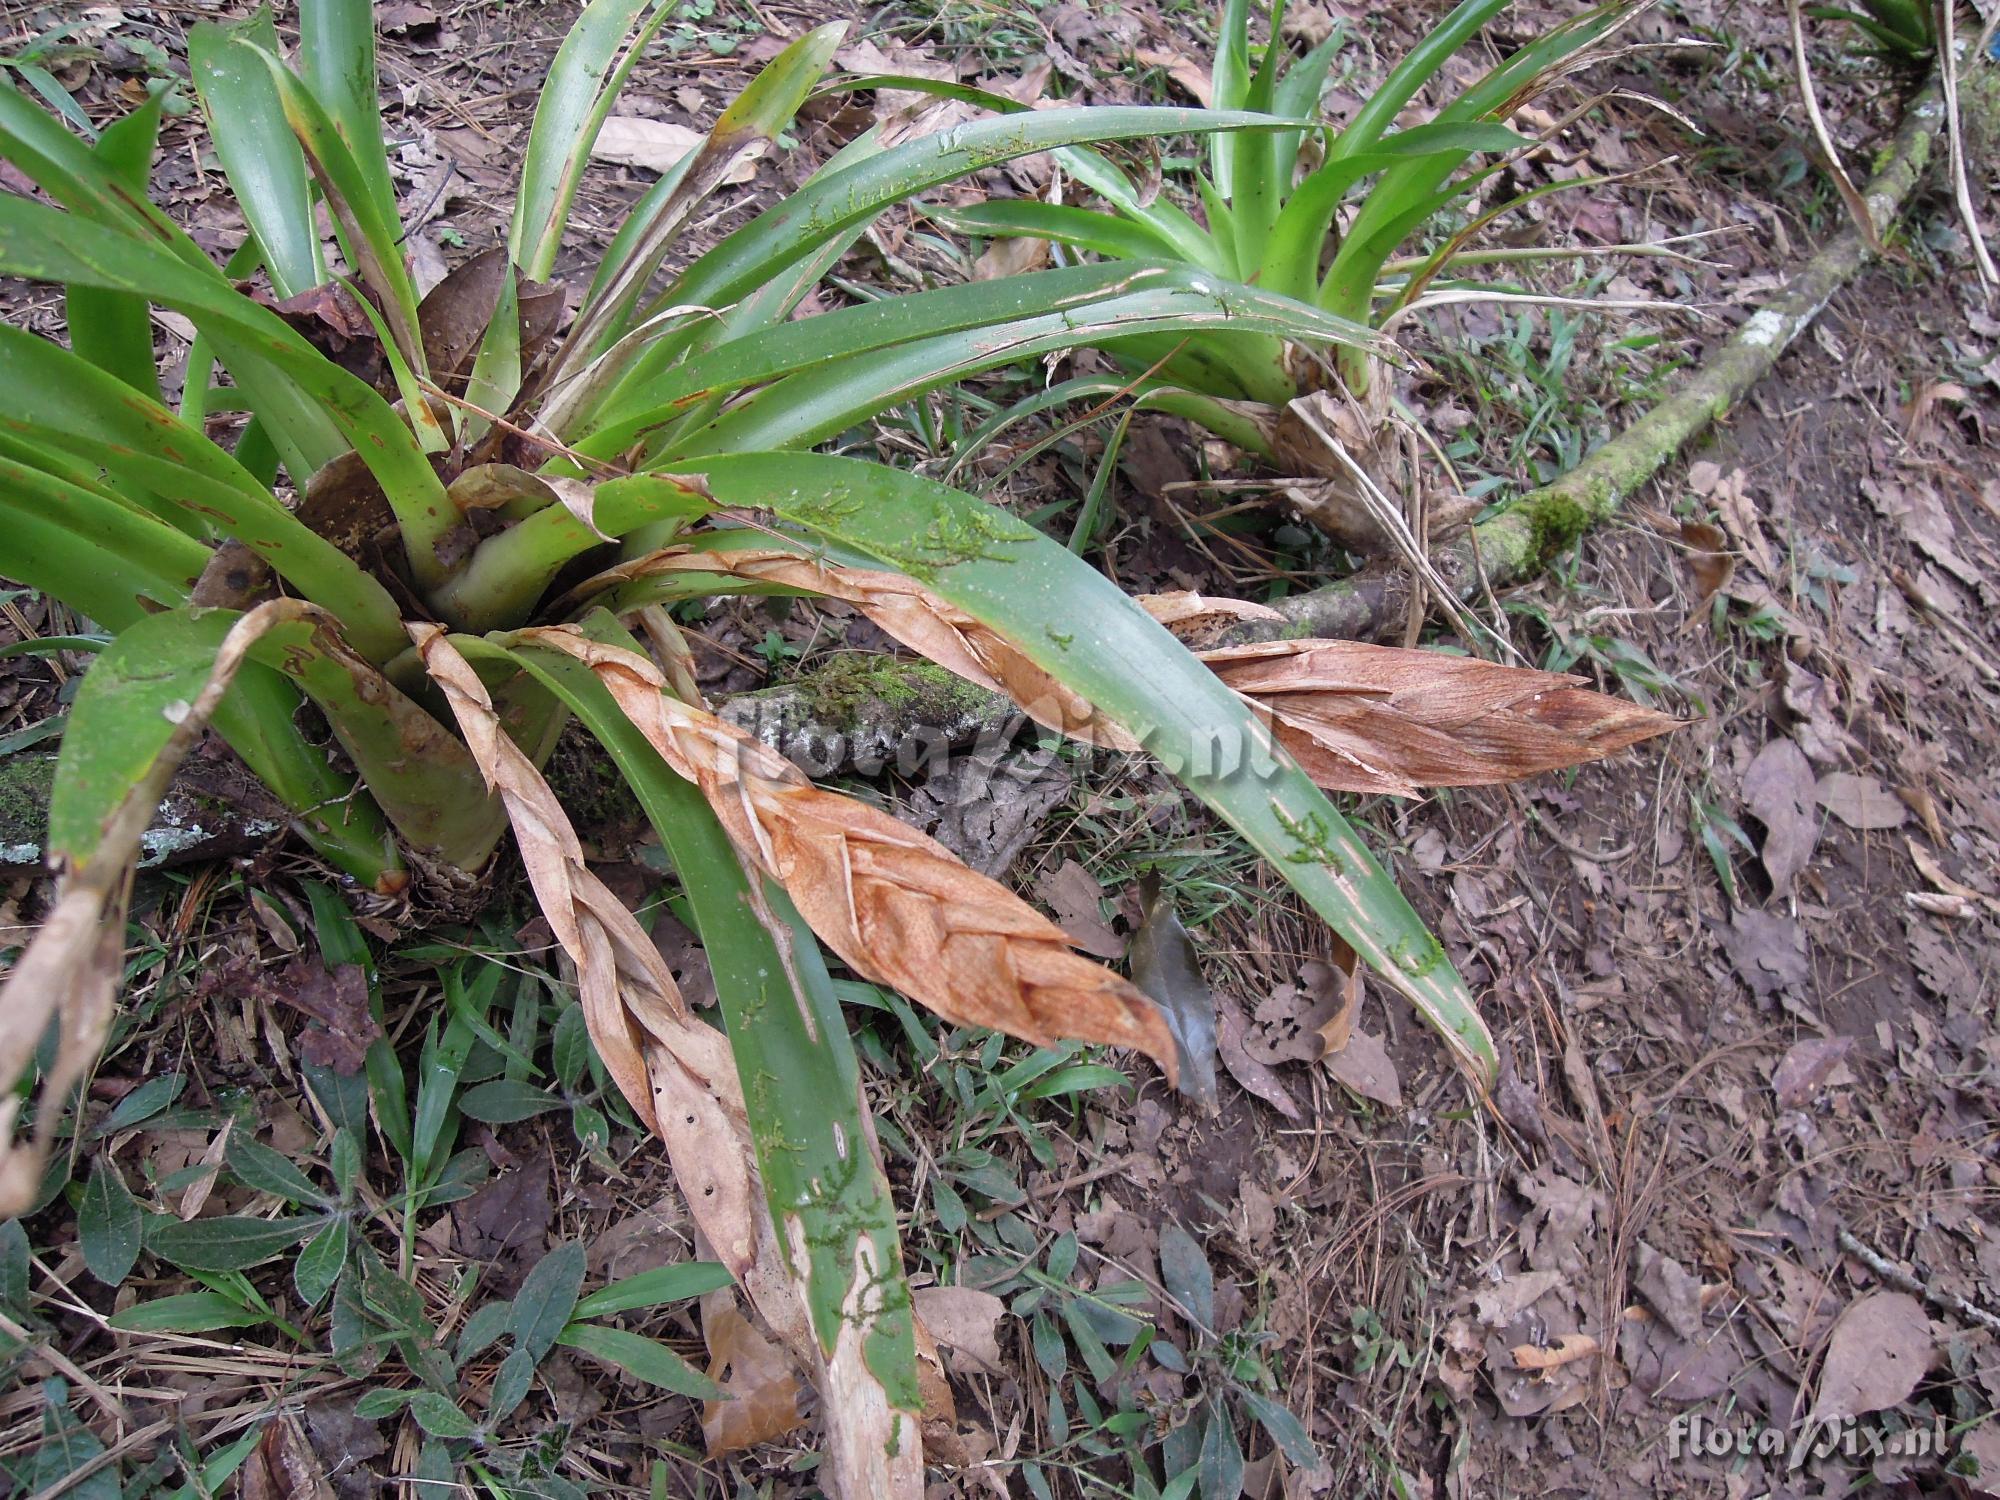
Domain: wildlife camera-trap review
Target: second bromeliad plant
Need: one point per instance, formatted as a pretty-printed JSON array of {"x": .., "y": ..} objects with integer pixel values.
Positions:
[{"x": 442, "y": 548}]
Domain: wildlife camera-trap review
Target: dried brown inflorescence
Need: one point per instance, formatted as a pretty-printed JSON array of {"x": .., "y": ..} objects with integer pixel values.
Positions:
[
  {"x": 896, "y": 905},
  {"x": 1364, "y": 718},
  {"x": 1357, "y": 718}
]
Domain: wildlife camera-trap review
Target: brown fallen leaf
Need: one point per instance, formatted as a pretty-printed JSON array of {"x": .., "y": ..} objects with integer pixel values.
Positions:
[
  {"x": 1072, "y": 893},
  {"x": 1808, "y": 1065},
  {"x": 1255, "y": 1077},
  {"x": 1779, "y": 790},
  {"x": 1931, "y": 870},
  {"x": 1341, "y": 978},
  {"x": 963, "y": 1318},
  {"x": 283, "y": 1465},
  {"x": 1364, "y": 1065},
  {"x": 1014, "y": 255},
  {"x": 763, "y": 1391},
  {"x": 337, "y": 1000},
  {"x": 1861, "y": 802},
  {"x": 1166, "y": 966},
  {"x": 938, "y": 1405},
  {"x": 70, "y": 971},
  {"x": 1880, "y": 1349},
  {"x": 1192, "y": 77},
  {"x": 895, "y": 905},
  {"x": 658, "y": 146},
  {"x": 1567, "y": 1349}
]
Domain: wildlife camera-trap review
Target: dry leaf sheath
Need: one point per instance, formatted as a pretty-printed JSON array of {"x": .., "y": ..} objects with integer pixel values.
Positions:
[{"x": 895, "y": 905}]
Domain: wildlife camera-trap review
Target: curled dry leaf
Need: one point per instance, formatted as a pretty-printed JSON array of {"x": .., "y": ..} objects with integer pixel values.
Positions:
[
  {"x": 676, "y": 1072},
  {"x": 658, "y": 146},
  {"x": 763, "y": 1402},
  {"x": 70, "y": 972},
  {"x": 896, "y": 906},
  {"x": 1364, "y": 718},
  {"x": 1358, "y": 718},
  {"x": 1565, "y": 1349}
]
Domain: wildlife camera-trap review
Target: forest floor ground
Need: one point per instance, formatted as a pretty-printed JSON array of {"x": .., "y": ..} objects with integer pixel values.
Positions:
[{"x": 1741, "y": 1163}]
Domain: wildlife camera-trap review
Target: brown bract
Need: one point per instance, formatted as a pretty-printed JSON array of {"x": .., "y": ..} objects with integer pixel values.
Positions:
[
  {"x": 915, "y": 616},
  {"x": 896, "y": 906},
  {"x": 1364, "y": 718},
  {"x": 1357, "y": 718}
]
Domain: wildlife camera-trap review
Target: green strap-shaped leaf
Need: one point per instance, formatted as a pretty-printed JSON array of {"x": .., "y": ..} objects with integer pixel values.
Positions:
[
  {"x": 1106, "y": 234},
  {"x": 112, "y": 330},
  {"x": 801, "y": 1081},
  {"x": 59, "y": 400},
  {"x": 843, "y": 366},
  {"x": 813, "y": 406},
  {"x": 47, "y": 245},
  {"x": 336, "y": 59},
  {"x": 364, "y": 210},
  {"x": 758, "y": 114},
  {"x": 574, "y": 102},
  {"x": 825, "y": 207},
  {"x": 1080, "y": 627},
  {"x": 133, "y": 696},
  {"x": 260, "y": 156}
]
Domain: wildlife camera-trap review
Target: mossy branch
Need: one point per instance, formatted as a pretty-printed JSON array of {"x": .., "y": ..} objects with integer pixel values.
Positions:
[{"x": 1518, "y": 543}]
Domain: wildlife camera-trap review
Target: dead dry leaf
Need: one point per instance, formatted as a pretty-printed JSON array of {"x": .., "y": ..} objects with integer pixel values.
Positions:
[
  {"x": 1364, "y": 1066},
  {"x": 1861, "y": 802},
  {"x": 1880, "y": 1349},
  {"x": 677, "y": 1073},
  {"x": 1072, "y": 893},
  {"x": 1255, "y": 1077},
  {"x": 1193, "y": 78},
  {"x": 1370, "y": 719},
  {"x": 1565, "y": 1349},
  {"x": 1014, "y": 255},
  {"x": 963, "y": 1318},
  {"x": 657, "y": 145},
  {"x": 756, "y": 1374},
  {"x": 1780, "y": 791},
  {"x": 1359, "y": 718},
  {"x": 283, "y": 1465},
  {"x": 1167, "y": 968},
  {"x": 1496, "y": 1306},
  {"x": 1807, "y": 1066}
]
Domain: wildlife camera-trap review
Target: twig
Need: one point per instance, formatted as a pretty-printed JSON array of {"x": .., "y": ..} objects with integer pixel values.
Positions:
[{"x": 1896, "y": 1276}]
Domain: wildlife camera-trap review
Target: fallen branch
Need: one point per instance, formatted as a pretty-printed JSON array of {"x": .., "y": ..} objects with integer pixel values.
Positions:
[{"x": 1523, "y": 539}]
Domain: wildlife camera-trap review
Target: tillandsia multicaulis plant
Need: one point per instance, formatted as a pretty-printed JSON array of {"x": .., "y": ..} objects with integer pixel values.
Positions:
[
  {"x": 1903, "y": 32},
  {"x": 441, "y": 538},
  {"x": 1319, "y": 214}
]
